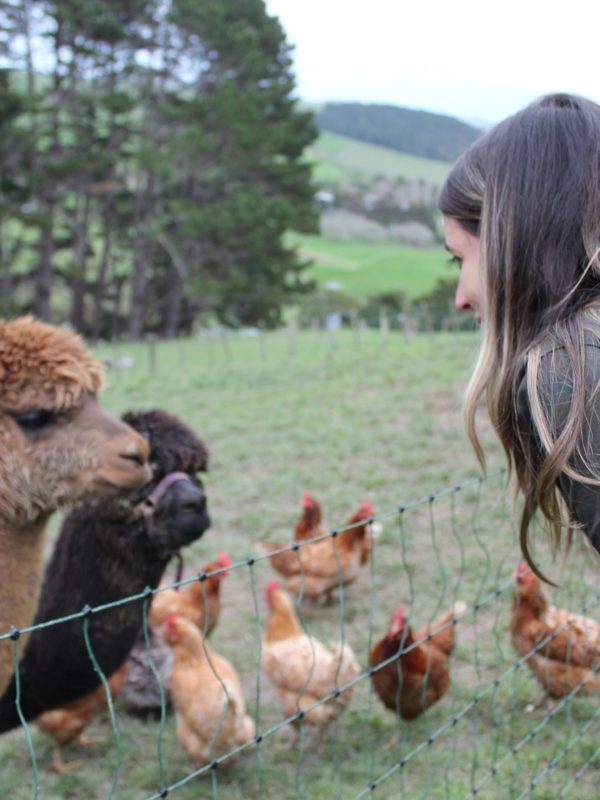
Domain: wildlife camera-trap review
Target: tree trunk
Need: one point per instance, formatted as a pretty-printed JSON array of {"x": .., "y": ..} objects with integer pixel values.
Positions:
[
  {"x": 7, "y": 283},
  {"x": 44, "y": 272},
  {"x": 100, "y": 290},
  {"x": 48, "y": 194},
  {"x": 116, "y": 316},
  {"x": 173, "y": 305},
  {"x": 80, "y": 258},
  {"x": 141, "y": 255},
  {"x": 174, "y": 298},
  {"x": 45, "y": 245}
]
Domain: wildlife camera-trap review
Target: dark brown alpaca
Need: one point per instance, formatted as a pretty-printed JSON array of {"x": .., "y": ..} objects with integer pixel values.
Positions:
[{"x": 57, "y": 446}]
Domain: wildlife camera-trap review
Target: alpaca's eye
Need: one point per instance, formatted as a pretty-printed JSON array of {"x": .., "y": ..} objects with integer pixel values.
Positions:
[{"x": 34, "y": 420}]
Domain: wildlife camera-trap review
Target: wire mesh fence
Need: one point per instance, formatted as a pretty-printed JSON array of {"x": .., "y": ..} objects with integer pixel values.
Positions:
[{"x": 449, "y": 559}]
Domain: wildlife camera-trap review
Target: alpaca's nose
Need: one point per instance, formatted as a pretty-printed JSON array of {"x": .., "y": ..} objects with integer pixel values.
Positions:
[
  {"x": 191, "y": 497},
  {"x": 136, "y": 450},
  {"x": 134, "y": 457}
]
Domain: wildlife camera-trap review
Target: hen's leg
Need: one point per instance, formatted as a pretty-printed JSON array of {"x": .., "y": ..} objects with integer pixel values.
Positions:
[
  {"x": 540, "y": 702},
  {"x": 61, "y": 767},
  {"x": 86, "y": 741}
]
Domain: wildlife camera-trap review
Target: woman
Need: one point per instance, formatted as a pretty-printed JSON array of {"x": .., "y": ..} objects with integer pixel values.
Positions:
[{"x": 522, "y": 219}]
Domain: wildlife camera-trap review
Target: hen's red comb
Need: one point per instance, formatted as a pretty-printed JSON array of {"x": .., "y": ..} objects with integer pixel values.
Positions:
[
  {"x": 398, "y": 620},
  {"x": 522, "y": 570},
  {"x": 225, "y": 559},
  {"x": 367, "y": 509},
  {"x": 272, "y": 587},
  {"x": 308, "y": 501}
]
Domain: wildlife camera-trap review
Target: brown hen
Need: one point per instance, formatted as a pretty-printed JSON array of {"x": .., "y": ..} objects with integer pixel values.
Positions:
[
  {"x": 562, "y": 647},
  {"x": 417, "y": 675},
  {"x": 309, "y": 524}
]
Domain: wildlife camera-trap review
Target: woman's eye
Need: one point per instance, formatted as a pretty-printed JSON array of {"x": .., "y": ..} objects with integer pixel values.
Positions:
[
  {"x": 34, "y": 420},
  {"x": 455, "y": 261}
]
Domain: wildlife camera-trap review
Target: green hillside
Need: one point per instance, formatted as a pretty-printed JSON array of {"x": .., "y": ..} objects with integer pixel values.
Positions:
[
  {"x": 339, "y": 160},
  {"x": 421, "y": 133},
  {"x": 366, "y": 268}
]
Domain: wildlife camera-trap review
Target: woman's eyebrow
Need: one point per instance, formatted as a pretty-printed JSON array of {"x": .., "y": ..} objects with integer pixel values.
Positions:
[{"x": 448, "y": 248}]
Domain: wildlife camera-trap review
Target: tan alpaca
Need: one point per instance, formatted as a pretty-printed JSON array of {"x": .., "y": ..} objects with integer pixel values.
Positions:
[{"x": 57, "y": 445}]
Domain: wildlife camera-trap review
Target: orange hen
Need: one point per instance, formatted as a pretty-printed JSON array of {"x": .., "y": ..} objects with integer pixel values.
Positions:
[
  {"x": 418, "y": 674},
  {"x": 565, "y": 645},
  {"x": 190, "y": 600},
  {"x": 301, "y": 668},
  {"x": 207, "y": 694},
  {"x": 318, "y": 568},
  {"x": 66, "y": 724},
  {"x": 199, "y": 602}
]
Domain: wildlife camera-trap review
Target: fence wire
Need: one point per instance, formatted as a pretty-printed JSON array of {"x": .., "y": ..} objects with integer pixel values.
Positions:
[{"x": 482, "y": 738}]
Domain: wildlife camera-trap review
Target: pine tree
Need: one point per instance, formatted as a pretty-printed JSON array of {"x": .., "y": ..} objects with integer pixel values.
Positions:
[{"x": 242, "y": 181}]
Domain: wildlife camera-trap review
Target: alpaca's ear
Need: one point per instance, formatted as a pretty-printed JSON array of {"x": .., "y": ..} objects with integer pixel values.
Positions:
[
  {"x": 140, "y": 421},
  {"x": 202, "y": 456},
  {"x": 188, "y": 456},
  {"x": 174, "y": 446}
]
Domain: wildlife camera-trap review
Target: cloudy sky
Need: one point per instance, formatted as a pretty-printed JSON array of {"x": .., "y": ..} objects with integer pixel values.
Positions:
[{"x": 473, "y": 59}]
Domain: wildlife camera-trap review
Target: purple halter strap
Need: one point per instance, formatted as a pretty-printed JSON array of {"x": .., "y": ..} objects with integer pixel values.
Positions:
[{"x": 147, "y": 507}]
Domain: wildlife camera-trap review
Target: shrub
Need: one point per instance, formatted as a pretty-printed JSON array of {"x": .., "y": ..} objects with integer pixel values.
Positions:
[
  {"x": 317, "y": 306},
  {"x": 390, "y": 303}
]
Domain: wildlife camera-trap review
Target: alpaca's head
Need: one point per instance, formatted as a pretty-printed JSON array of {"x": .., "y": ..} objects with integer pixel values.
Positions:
[
  {"x": 181, "y": 513},
  {"x": 57, "y": 444}
]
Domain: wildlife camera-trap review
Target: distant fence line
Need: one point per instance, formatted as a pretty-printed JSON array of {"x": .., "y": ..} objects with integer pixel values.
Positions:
[{"x": 218, "y": 343}]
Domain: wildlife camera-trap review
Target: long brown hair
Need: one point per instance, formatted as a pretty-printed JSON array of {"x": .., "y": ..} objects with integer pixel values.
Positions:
[{"x": 530, "y": 189}]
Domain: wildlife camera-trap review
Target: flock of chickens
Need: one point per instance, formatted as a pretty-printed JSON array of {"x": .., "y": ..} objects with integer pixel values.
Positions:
[{"x": 313, "y": 682}]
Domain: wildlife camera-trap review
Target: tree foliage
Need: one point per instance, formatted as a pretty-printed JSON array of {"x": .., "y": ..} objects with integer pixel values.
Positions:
[{"x": 158, "y": 163}]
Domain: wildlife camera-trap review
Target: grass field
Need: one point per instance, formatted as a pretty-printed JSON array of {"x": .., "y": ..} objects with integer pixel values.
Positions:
[
  {"x": 351, "y": 418},
  {"x": 367, "y": 268},
  {"x": 339, "y": 159}
]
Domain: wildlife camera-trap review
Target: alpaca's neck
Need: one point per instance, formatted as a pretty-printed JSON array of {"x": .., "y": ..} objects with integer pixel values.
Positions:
[{"x": 21, "y": 569}]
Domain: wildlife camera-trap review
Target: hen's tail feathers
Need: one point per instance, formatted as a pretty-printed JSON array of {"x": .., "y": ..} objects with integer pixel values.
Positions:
[
  {"x": 264, "y": 548},
  {"x": 459, "y": 609},
  {"x": 442, "y": 633},
  {"x": 247, "y": 729},
  {"x": 376, "y": 530}
]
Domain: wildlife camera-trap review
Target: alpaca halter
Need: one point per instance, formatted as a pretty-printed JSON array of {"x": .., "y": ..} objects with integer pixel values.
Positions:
[{"x": 147, "y": 507}]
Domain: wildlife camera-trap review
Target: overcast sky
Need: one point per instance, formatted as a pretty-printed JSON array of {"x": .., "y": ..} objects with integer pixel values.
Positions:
[{"x": 473, "y": 59}]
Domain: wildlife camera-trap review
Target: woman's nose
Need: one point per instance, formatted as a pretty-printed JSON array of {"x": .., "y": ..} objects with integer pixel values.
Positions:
[{"x": 461, "y": 302}]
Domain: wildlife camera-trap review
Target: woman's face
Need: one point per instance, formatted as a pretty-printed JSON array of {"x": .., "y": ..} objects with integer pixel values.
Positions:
[{"x": 464, "y": 247}]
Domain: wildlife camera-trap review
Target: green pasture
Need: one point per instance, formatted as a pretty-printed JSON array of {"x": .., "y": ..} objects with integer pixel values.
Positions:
[
  {"x": 367, "y": 268},
  {"x": 352, "y": 417},
  {"x": 339, "y": 159}
]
